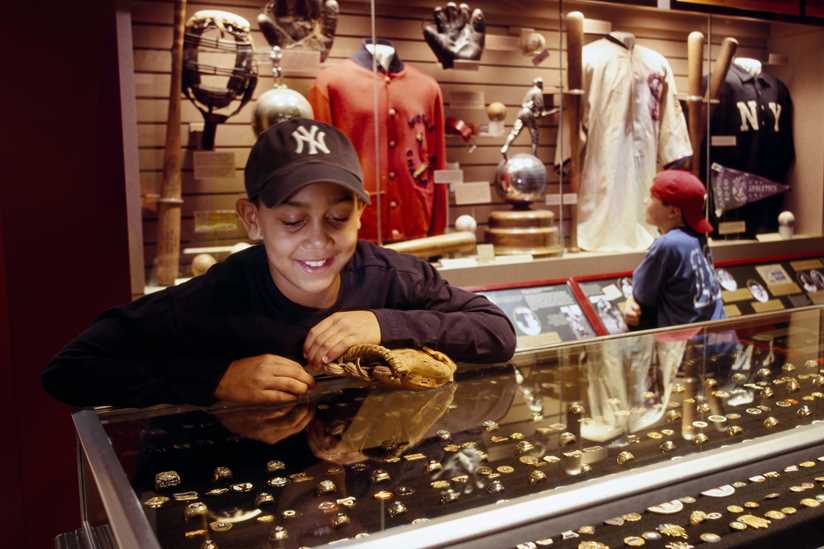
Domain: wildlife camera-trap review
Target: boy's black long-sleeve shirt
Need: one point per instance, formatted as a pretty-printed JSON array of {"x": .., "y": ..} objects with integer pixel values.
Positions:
[{"x": 175, "y": 345}]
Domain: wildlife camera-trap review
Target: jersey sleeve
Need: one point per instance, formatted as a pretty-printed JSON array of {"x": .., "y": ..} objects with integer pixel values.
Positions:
[
  {"x": 127, "y": 357},
  {"x": 673, "y": 138},
  {"x": 319, "y": 99},
  {"x": 425, "y": 310}
]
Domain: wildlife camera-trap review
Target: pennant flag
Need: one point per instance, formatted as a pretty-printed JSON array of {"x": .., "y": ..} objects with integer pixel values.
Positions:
[{"x": 733, "y": 188}]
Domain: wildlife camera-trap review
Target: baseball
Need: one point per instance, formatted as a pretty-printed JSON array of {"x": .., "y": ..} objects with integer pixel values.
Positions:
[
  {"x": 466, "y": 223},
  {"x": 201, "y": 263},
  {"x": 496, "y": 111}
]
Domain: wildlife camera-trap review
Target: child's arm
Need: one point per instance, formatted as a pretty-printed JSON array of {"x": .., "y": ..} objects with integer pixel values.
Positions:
[
  {"x": 422, "y": 309},
  {"x": 137, "y": 356}
]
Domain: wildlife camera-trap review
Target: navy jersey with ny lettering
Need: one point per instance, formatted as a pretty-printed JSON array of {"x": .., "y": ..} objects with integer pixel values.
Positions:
[
  {"x": 175, "y": 345},
  {"x": 677, "y": 281},
  {"x": 756, "y": 111}
]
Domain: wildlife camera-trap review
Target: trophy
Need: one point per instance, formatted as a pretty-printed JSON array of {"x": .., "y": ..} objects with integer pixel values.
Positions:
[
  {"x": 280, "y": 103},
  {"x": 520, "y": 180}
]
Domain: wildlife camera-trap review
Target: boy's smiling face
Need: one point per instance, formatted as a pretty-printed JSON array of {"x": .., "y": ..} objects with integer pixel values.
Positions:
[{"x": 309, "y": 238}]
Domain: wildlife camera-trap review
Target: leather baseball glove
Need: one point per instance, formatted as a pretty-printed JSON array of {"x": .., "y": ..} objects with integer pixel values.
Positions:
[
  {"x": 307, "y": 24},
  {"x": 402, "y": 368},
  {"x": 456, "y": 34}
]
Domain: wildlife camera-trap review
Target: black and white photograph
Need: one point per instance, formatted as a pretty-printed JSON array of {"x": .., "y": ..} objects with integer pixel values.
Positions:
[{"x": 759, "y": 292}]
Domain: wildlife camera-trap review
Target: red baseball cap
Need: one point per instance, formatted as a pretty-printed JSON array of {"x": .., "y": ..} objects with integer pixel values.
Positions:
[{"x": 685, "y": 191}]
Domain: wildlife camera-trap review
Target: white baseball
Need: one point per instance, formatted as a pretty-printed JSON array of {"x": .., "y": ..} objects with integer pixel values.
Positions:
[{"x": 466, "y": 223}]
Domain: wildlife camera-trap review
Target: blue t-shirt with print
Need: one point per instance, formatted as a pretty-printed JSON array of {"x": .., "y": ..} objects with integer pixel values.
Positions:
[{"x": 676, "y": 279}]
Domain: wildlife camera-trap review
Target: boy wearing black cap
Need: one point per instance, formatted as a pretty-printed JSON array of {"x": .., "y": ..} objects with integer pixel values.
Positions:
[
  {"x": 676, "y": 282},
  {"x": 242, "y": 331}
]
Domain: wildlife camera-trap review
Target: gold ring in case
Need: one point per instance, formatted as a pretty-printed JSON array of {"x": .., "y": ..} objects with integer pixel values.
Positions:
[
  {"x": 700, "y": 438},
  {"x": 672, "y": 530},
  {"x": 788, "y": 367},
  {"x": 195, "y": 509},
  {"x": 221, "y": 473},
  {"x": 242, "y": 487},
  {"x": 576, "y": 408},
  {"x": 340, "y": 519},
  {"x": 275, "y": 465},
  {"x": 697, "y": 517},
  {"x": 267, "y": 518},
  {"x": 736, "y": 525},
  {"x": 536, "y": 475},
  {"x": 379, "y": 475},
  {"x": 634, "y": 541},
  {"x": 278, "y": 533},
  {"x": 751, "y": 504},
  {"x": 326, "y": 487},
  {"x": 810, "y": 502},
  {"x": 735, "y": 509},
  {"x": 166, "y": 479},
  {"x": 754, "y": 521},
  {"x": 220, "y": 526},
  {"x": 709, "y": 537},
  {"x": 195, "y": 533},
  {"x": 156, "y": 502},
  {"x": 717, "y": 419},
  {"x": 807, "y": 464},
  {"x": 384, "y": 495},
  {"x": 592, "y": 545},
  {"x": 208, "y": 543},
  {"x": 396, "y": 508},
  {"x": 770, "y": 422},
  {"x": 803, "y": 411},
  {"x": 327, "y": 506},
  {"x": 734, "y": 430},
  {"x": 789, "y": 510},
  {"x": 289, "y": 513},
  {"x": 624, "y": 457},
  {"x": 774, "y": 514},
  {"x": 567, "y": 438},
  {"x": 185, "y": 496}
]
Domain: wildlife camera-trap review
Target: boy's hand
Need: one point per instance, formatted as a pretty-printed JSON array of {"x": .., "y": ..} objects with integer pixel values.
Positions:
[
  {"x": 269, "y": 426},
  {"x": 334, "y": 334},
  {"x": 264, "y": 379},
  {"x": 632, "y": 313}
]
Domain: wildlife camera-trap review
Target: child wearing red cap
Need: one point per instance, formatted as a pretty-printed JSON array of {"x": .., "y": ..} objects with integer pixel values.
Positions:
[{"x": 676, "y": 282}]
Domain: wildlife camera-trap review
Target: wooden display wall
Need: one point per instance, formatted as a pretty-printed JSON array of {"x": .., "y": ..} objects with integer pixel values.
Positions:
[{"x": 503, "y": 76}]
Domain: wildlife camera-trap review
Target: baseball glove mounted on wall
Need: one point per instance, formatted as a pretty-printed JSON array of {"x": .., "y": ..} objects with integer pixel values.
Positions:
[
  {"x": 402, "y": 368},
  {"x": 456, "y": 34},
  {"x": 308, "y": 24}
]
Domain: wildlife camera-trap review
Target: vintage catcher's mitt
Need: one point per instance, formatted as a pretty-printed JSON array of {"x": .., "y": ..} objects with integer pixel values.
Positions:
[{"x": 404, "y": 368}]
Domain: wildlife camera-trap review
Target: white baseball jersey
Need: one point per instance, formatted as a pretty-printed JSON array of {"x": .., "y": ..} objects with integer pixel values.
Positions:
[{"x": 633, "y": 124}]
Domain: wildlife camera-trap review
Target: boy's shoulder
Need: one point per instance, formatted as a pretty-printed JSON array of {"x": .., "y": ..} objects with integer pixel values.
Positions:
[
  {"x": 371, "y": 257},
  {"x": 676, "y": 239}
]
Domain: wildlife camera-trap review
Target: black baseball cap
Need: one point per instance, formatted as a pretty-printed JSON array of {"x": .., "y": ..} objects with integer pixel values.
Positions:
[{"x": 298, "y": 152}]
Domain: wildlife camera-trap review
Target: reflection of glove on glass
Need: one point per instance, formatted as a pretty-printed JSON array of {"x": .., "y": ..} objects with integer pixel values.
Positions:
[
  {"x": 404, "y": 368},
  {"x": 456, "y": 34},
  {"x": 300, "y": 24}
]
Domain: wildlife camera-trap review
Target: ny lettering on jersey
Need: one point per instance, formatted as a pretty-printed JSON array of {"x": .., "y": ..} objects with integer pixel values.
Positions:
[
  {"x": 749, "y": 115},
  {"x": 757, "y": 111}
]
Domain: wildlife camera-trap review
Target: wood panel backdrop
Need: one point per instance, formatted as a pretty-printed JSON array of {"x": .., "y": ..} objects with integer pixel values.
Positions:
[{"x": 502, "y": 75}]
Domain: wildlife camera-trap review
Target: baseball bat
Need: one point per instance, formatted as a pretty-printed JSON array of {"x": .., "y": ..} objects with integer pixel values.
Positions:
[
  {"x": 439, "y": 245},
  {"x": 575, "y": 83},
  {"x": 722, "y": 65},
  {"x": 167, "y": 261},
  {"x": 695, "y": 105}
]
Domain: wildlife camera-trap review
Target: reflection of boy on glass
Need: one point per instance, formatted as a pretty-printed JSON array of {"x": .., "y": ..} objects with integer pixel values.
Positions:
[{"x": 676, "y": 282}]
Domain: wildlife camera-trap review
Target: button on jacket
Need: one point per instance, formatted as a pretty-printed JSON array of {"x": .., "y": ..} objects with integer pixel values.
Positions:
[
  {"x": 399, "y": 169},
  {"x": 634, "y": 125}
]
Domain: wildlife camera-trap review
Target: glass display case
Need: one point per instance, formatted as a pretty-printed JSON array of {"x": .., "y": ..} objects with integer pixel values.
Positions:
[
  {"x": 680, "y": 434},
  {"x": 435, "y": 151}
]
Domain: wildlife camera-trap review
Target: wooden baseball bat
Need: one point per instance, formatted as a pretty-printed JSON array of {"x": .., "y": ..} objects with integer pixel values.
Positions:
[
  {"x": 167, "y": 260},
  {"x": 721, "y": 66},
  {"x": 432, "y": 246},
  {"x": 575, "y": 83},
  {"x": 695, "y": 104}
]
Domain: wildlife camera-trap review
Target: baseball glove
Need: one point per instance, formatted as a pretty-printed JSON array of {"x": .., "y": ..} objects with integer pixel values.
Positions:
[
  {"x": 456, "y": 34},
  {"x": 307, "y": 24},
  {"x": 402, "y": 368}
]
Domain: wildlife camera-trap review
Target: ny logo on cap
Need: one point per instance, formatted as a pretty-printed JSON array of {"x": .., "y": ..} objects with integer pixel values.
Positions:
[{"x": 312, "y": 138}]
